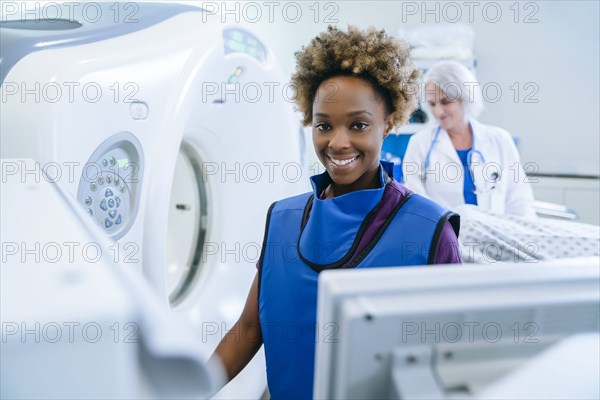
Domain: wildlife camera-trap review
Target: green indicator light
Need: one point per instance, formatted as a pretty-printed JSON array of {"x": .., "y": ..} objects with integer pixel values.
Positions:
[
  {"x": 236, "y": 35},
  {"x": 235, "y": 46},
  {"x": 122, "y": 162}
]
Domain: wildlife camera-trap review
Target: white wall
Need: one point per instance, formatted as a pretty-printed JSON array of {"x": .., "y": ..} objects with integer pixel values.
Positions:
[{"x": 557, "y": 54}]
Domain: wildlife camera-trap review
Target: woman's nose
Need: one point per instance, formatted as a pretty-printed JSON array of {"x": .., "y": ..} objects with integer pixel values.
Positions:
[{"x": 339, "y": 139}]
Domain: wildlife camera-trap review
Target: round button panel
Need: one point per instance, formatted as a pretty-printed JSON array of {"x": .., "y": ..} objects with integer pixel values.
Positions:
[
  {"x": 109, "y": 187},
  {"x": 108, "y": 197}
]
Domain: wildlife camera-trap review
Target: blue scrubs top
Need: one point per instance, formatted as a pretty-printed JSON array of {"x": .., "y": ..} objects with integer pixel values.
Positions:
[{"x": 469, "y": 186}]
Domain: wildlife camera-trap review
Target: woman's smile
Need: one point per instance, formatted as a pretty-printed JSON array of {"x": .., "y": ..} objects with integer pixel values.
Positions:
[{"x": 342, "y": 164}]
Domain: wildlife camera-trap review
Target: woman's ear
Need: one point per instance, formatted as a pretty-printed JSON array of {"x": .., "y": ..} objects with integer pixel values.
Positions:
[{"x": 389, "y": 125}]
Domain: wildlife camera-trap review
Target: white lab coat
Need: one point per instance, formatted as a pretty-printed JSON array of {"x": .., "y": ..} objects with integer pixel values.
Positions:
[{"x": 512, "y": 194}]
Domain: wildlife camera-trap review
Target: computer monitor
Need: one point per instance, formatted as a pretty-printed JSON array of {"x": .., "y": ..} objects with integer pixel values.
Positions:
[{"x": 450, "y": 331}]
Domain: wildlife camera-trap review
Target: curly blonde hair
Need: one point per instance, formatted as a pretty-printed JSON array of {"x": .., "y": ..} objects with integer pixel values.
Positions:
[{"x": 371, "y": 55}]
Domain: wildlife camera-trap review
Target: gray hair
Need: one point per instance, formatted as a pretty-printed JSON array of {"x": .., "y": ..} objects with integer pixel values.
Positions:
[{"x": 459, "y": 83}]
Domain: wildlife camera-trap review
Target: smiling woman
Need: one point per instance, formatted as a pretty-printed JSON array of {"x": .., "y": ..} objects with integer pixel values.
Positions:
[
  {"x": 485, "y": 157},
  {"x": 348, "y": 133},
  {"x": 353, "y": 87}
]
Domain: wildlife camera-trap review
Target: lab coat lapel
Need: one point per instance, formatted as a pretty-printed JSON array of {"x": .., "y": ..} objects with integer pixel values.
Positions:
[{"x": 446, "y": 147}]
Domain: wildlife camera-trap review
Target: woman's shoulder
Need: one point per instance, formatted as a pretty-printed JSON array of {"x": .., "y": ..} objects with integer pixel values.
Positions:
[
  {"x": 402, "y": 193},
  {"x": 294, "y": 202},
  {"x": 495, "y": 132},
  {"x": 426, "y": 132},
  {"x": 422, "y": 138},
  {"x": 397, "y": 189}
]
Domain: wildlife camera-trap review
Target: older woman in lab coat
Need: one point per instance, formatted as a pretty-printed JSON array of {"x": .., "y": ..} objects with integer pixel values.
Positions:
[{"x": 459, "y": 160}]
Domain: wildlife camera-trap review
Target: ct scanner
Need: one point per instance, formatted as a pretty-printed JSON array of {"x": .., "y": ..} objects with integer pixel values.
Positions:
[{"x": 173, "y": 132}]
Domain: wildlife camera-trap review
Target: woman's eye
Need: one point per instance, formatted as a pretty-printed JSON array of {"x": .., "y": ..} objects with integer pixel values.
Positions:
[
  {"x": 322, "y": 126},
  {"x": 361, "y": 126},
  {"x": 445, "y": 102}
]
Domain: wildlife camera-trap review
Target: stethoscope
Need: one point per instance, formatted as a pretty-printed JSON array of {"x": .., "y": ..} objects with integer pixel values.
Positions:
[{"x": 494, "y": 176}]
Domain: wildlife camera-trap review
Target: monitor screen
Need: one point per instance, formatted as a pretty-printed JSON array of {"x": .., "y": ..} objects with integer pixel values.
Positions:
[{"x": 447, "y": 332}]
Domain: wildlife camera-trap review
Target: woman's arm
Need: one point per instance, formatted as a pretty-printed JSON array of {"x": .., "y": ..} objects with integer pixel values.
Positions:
[
  {"x": 448, "y": 251},
  {"x": 519, "y": 194},
  {"x": 412, "y": 165},
  {"x": 241, "y": 343}
]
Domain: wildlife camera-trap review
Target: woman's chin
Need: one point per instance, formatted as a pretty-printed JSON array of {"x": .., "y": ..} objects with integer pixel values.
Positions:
[{"x": 445, "y": 124}]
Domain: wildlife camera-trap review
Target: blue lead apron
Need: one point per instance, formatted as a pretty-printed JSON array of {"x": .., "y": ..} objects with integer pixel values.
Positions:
[{"x": 305, "y": 235}]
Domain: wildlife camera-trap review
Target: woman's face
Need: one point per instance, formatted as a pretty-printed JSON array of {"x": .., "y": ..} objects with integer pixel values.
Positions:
[
  {"x": 349, "y": 125},
  {"x": 449, "y": 113}
]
